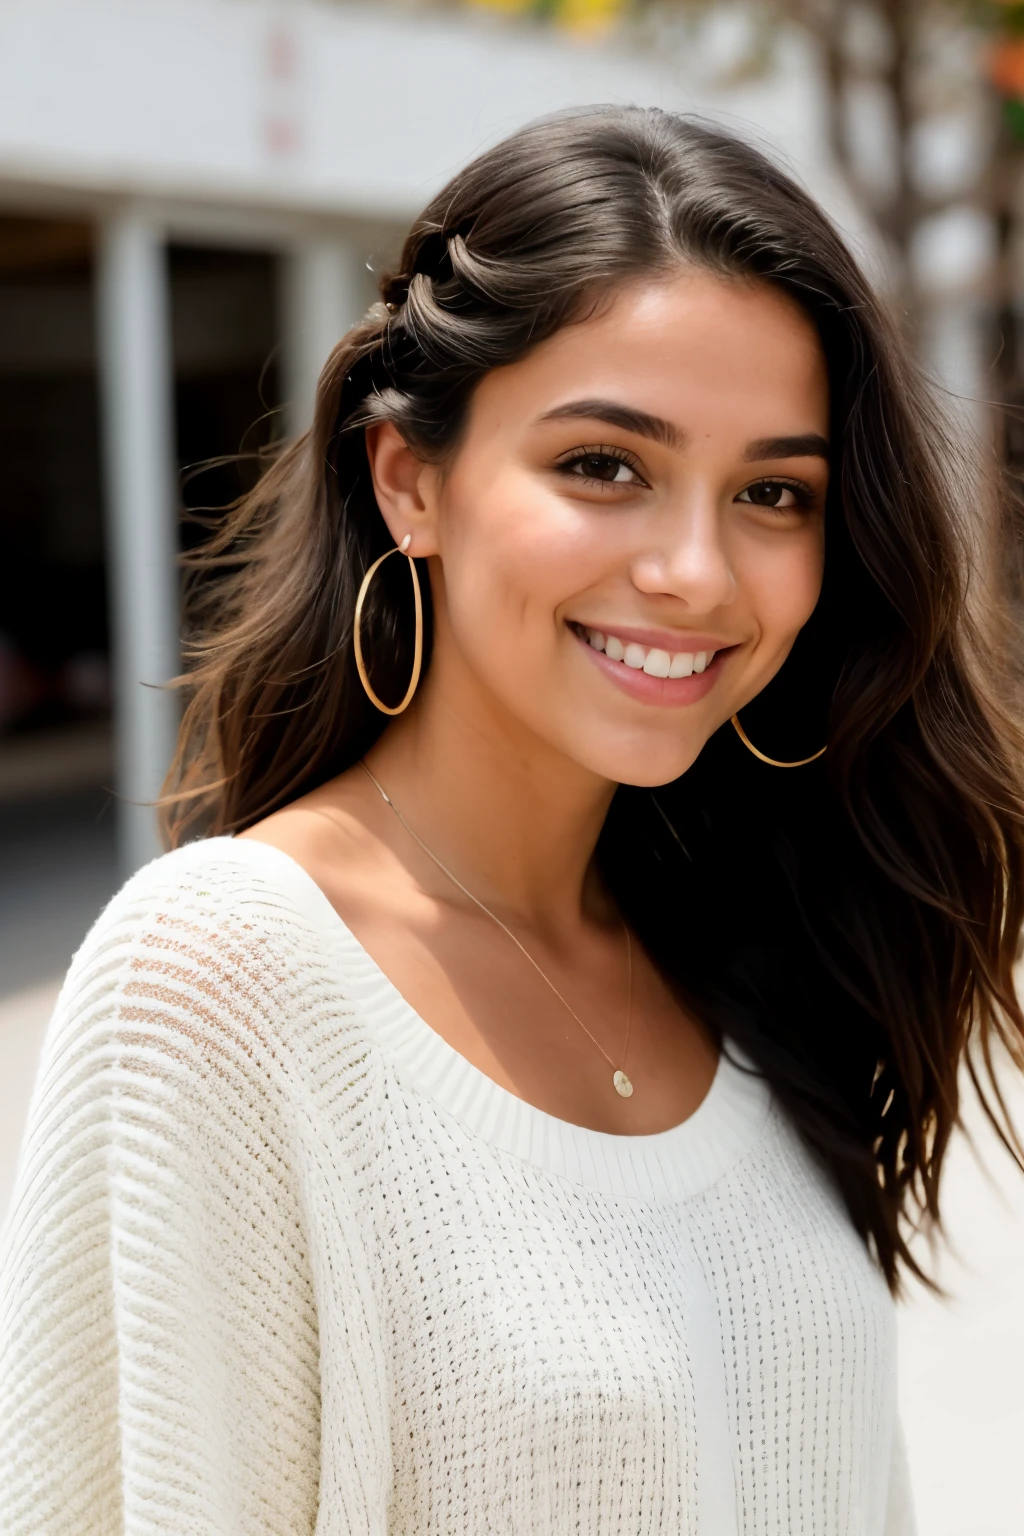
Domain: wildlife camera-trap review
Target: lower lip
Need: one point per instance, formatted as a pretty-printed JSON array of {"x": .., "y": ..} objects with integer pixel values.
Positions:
[{"x": 667, "y": 692}]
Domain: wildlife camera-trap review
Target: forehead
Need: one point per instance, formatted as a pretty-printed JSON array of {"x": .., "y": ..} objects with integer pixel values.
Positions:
[{"x": 720, "y": 356}]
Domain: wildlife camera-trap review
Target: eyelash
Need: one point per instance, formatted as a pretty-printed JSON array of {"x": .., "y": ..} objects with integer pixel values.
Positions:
[
  {"x": 802, "y": 492},
  {"x": 601, "y": 451},
  {"x": 805, "y": 497}
]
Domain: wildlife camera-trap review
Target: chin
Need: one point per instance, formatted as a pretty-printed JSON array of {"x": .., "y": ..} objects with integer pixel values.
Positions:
[
  {"x": 644, "y": 778},
  {"x": 645, "y": 767}
]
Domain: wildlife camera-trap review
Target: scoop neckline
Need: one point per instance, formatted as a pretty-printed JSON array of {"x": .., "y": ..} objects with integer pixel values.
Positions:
[{"x": 674, "y": 1163}]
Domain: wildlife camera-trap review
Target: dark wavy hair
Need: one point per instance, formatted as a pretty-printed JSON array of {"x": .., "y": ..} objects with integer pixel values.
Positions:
[{"x": 853, "y": 924}]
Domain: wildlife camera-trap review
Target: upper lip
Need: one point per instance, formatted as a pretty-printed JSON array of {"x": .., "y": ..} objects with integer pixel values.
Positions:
[{"x": 674, "y": 641}]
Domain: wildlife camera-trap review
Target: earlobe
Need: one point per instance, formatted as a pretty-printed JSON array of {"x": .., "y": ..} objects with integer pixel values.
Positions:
[{"x": 402, "y": 484}]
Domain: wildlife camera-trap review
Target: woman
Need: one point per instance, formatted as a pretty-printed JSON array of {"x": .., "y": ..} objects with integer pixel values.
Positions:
[{"x": 506, "y": 1117}]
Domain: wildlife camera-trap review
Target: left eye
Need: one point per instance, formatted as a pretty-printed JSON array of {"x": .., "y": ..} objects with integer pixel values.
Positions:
[
  {"x": 770, "y": 493},
  {"x": 600, "y": 466}
]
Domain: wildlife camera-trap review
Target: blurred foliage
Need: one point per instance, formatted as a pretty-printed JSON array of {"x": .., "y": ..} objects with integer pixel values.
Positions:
[
  {"x": 585, "y": 16},
  {"x": 1005, "y": 61},
  {"x": 907, "y": 62},
  {"x": 902, "y": 80}
]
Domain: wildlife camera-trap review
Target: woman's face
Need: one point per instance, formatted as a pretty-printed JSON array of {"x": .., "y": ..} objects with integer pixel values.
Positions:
[{"x": 631, "y": 532}]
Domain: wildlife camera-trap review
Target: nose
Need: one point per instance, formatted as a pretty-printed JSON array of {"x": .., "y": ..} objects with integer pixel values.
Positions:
[{"x": 686, "y": 558}]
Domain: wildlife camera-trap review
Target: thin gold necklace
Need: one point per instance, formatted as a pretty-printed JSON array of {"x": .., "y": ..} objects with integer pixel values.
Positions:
[{"x": 620, "y": 1082}]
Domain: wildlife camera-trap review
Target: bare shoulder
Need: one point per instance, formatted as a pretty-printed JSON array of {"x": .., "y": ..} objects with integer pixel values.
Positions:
[
  {"x": 333, "y": 813},
  {"x": 332, "y": 834}
]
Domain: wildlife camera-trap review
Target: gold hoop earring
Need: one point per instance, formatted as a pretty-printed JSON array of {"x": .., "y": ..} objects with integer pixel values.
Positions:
[
  {"x": 417, "y": 654},
  {"x": 773, "y": 762}
]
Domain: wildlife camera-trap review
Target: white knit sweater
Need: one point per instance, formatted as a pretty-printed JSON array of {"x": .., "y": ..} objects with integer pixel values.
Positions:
[{"x": 280, "y": 1260}]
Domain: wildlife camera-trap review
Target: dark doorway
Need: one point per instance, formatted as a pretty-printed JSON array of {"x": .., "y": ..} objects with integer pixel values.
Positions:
[
  {"x": 57, "y": 860},
  {"x": 53, "y": 612},
  {"x": 226, "y": 368}
]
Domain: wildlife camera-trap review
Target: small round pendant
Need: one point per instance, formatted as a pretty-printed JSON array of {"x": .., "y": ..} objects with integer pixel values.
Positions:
[{"x": 622, "y": 1083}]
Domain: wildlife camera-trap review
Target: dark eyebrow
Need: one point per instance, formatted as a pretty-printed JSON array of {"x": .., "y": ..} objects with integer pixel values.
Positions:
[
  {"x": 807, "y": 446},
  {"x": 624, "y": 416}
]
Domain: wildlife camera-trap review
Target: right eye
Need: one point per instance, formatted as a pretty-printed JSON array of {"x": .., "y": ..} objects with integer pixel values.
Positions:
[{"x": 599, "y": 466}]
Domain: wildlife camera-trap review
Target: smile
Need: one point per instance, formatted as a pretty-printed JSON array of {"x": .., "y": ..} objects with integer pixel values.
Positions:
[
  {"x": 649, "y": 659},
  {"x": 648, "y": 673}
]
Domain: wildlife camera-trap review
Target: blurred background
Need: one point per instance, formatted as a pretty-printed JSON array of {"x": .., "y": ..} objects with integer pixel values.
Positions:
[{"x": 195, "y": 196}]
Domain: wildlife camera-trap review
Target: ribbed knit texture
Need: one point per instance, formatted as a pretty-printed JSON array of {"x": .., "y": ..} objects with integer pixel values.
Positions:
[{"x": 280, "y": 1260}]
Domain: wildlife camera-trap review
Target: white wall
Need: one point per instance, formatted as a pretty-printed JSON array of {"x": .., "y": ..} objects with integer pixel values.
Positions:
[{"x": 325, "y": 107}]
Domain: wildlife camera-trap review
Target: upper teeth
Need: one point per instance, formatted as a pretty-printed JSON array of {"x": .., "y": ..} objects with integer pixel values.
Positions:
[{"x": 648, "y": 658}]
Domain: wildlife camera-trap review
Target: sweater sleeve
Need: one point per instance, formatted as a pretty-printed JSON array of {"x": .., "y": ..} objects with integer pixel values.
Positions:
[{"x": 159, "y": 1332}]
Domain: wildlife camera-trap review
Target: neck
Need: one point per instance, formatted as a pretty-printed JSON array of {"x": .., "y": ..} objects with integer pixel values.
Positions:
[{"x": 513, "y": 818}]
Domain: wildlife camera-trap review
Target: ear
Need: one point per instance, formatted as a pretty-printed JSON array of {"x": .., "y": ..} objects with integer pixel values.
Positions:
[{"x": 405, "y": 487}]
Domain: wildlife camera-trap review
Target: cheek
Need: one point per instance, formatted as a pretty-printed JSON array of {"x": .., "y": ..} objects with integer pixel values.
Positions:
[
  {"x": 512, "y": 555},
  {"x": 782, "y": 580}
]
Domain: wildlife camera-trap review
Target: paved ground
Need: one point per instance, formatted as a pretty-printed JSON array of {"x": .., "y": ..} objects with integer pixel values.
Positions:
[
  {"x": 961, "y": 1360},
  {"x": 57, "y": 869}
]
